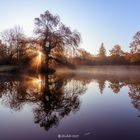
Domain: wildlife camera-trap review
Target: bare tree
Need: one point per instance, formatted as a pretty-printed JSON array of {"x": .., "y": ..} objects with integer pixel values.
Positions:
[
  {"x": 12, "y": 39},
  {"x": 2, "y": 50},
  {"x": 52, "y": 33},
  {"x": 135, "y": 45}
]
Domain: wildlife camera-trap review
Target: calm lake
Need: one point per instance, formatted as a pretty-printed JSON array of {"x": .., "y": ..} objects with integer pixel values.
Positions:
[{"x": 92, "y": 103}]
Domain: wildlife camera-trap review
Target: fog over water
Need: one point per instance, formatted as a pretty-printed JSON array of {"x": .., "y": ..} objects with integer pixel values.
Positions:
[
  {"x": 101, "y": 103},
  {"x": 103, "y": 70}
]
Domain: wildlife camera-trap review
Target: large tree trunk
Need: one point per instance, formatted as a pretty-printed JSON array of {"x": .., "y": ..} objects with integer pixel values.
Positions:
[{"x": 45, "y": 63}]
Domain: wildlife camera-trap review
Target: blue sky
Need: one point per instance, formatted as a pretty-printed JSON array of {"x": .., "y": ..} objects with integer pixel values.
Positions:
[{"x": 109, "y": 21}]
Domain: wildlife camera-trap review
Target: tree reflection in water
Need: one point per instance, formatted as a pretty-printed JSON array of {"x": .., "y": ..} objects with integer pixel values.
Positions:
[
  {"x": 116, "y": 84},
  {"x": 134, "y": 94},
  {"x": 54, "y": 96},
  {"x": 134, "y": 90},
  {"x": 101, "y": 84}
]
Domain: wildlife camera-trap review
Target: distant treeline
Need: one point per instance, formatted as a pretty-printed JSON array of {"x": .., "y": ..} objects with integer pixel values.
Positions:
[
  {"x": 116, "y": 56},
  {"x": 14, "y": 47}
]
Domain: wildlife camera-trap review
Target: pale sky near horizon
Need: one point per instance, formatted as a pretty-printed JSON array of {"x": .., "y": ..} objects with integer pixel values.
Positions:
[{"x": 109, "y": 21}]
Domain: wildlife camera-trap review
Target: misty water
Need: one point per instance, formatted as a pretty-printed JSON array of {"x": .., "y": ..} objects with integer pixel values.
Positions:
[{"x": 95, "y": 103}]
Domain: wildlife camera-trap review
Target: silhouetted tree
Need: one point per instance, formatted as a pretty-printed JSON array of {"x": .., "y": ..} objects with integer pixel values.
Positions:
[
  {"x": 12, "y": 39},
  {"x": 2, "y": 51},
  {"x": 52, "y": 33}
]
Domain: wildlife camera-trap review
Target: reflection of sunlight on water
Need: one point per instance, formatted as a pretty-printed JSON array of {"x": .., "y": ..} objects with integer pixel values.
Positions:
[{"x": 35, "y": 84}]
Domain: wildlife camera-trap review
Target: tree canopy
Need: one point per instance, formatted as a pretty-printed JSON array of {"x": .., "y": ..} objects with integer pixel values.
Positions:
[{"x": 52, "y": 33}]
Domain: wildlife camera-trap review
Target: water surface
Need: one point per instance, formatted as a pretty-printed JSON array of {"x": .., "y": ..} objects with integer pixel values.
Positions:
[{"x": 94, "y": 103}]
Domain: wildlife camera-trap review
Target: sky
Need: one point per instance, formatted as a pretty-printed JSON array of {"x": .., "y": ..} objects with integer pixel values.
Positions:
[{"x": 108, "y": 21}]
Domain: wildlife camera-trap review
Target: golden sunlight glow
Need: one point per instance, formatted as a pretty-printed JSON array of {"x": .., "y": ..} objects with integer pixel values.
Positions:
[
  {"x": 37, "y": 59},
  {"x": 35, "y": 84}
]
